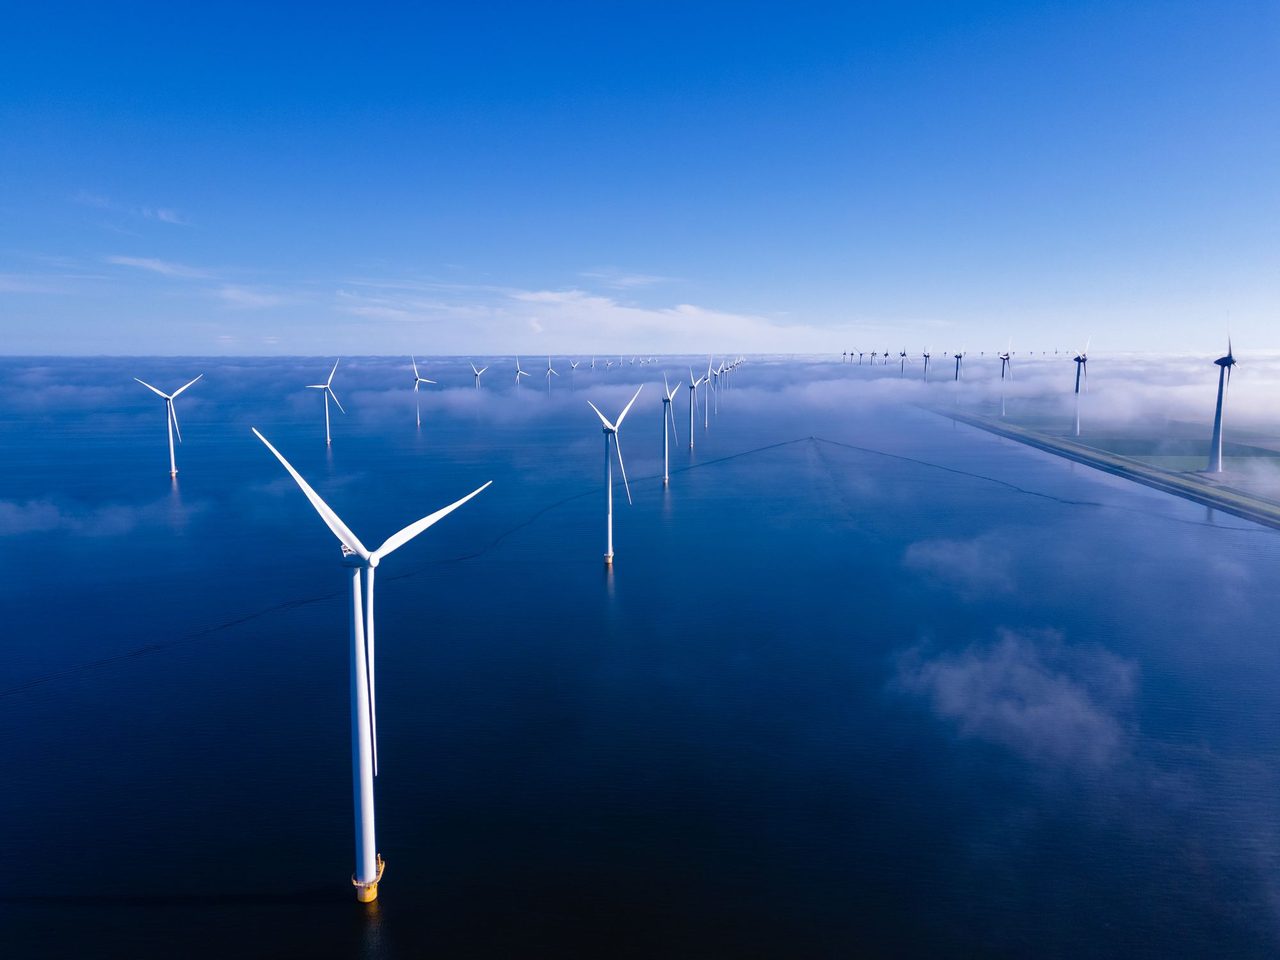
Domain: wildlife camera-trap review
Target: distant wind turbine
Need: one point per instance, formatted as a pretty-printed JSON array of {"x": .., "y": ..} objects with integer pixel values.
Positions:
[
  {"x": 668, "y": 418},
  {"x": 902, "y": 363},
  {"x": 1082, "y": 368},
  {"x": 693, "y": 402},
  {"x": 477, "y": 373},
  {"x": 364, "y": 725},
  {"x": 1005, "y": 363},
  {"x": 959, "y": 356},
  {"x": 1224, "y": 380},
  {"x": 519, "y": 372},
  {"x": 611, "y": 437},
  {"x": 171, "y": 417},
  {"x": 925, "y": 356},
  {"x": 418, "y": 380},
  {"x": 550, "y": 373},
  {"x": 327, "y": 387}
]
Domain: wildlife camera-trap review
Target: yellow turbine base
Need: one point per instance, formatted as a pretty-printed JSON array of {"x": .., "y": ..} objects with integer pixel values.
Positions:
[{"x": 367, "y": 891}]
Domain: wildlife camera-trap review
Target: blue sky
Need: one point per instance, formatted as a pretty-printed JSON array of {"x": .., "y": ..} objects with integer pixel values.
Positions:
[{"x": 638, "y": 177}]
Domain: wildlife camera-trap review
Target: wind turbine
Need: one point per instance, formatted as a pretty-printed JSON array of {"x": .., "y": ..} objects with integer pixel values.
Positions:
[
  {"x": 364, "y": 726},
  {"x": 1006, "y": 363},
  {"x": 573, "y": 373},
  {"x": 418, "y": 380},
  {"x": 668, "y": 416},
  {"x": 611, "y": 436},
  {"x": 550, "y": 373},
  {"x": 873, "y": 357},
  {"x": 706, "y": 399},
  {"x": 902, "y": 363},
  {"x": 1082, "y": 361},
  {"x": 925, "y": 355},
  {"x": 959, "y": 356},
  {"x": 1082, "y": 367},
  {"x": 170, "y": 416},
  {"x": 859, "y": 358},
  {"x": 327, "y": 387},
  {"x": 1215, "y": 447},
  {"x": 477, "y": 373},
  {"x": 519, "y": 372},
  {"x": 844, "y": 357},
  {"x": 693, "y": 402}
]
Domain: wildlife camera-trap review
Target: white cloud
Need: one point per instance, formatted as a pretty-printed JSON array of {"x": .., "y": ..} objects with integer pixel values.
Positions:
[
  {"x": 163, "y": 267},
  {"x": 159, "y": 214},
  {"x": 248, "y": 298}
]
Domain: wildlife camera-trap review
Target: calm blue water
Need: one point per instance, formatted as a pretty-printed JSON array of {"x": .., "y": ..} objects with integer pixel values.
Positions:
[{"x": 862, "y": 682}]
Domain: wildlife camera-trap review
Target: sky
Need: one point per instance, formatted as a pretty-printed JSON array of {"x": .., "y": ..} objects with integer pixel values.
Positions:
[{"x": 651, "y": 177}]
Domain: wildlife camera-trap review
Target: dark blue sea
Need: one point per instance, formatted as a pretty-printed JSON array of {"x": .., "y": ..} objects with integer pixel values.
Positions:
[{"x": 861, "y": 682}]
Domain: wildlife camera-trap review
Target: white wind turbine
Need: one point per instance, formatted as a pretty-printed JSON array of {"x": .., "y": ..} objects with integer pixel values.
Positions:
[
  {"x": 1215, "y": 445},
  {"x": 519, "y": 372},
  {"x": 706, "y": 398},
  {"x": 668, "y": 418},
  {"x": 573, "y": 373},
  {"x": 418, "y": 380},
  {"x": 364, "y": 726},
  {"x": 327, "y": 387},
  {"x": 171, "y": 417},
  {"x": 477, "y": 373},
  {"x": 611, "y": 436},
  {"x": 550, "y": 373},
  {"x": 693, "y": 402}
]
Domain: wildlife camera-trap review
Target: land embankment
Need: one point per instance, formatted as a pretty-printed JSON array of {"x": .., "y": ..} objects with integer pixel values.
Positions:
[{"x": 1200, "y": 488}]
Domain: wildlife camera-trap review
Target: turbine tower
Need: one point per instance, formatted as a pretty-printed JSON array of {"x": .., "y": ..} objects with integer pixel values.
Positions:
[
  {"x": 1224, "y": 380},
  {"x": 418, "y": 380},
  {"x": 170, "y": 416},
  {"x": 611, "y": 437},
  {"x": 327, "y": 387},
  {"x": 668, "y": 418},
  {"x": 364, "y": 726}
]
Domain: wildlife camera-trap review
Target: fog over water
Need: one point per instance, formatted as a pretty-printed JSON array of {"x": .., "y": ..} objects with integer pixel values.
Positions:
[{"x": 863, "y": 680}]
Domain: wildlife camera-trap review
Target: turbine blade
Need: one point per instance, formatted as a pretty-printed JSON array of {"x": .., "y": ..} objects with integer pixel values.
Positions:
[
  {"x": 671, "y": 411},
  {"x": 617, "y": 448},
  {"x": 603, "y": 418},
  {"x": 332, "y": 372},
  {"x": 415, "y": 367},
  {"x": 371, "y": 682},
  {"x": 399, "y": 539},
  {"x": 184, "y": 386},
  {"x": 482, "y": 370},
  {"x": 158, "y": 393},
  {"x": 331, "y": 519},
  {"x": 335, "y": 397},
  {"x": 173, "y": 412},
  {"x": 623, "y": 414}
]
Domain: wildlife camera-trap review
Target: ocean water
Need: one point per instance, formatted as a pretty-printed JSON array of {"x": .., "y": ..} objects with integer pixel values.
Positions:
[{"x": 862, "y": 682}]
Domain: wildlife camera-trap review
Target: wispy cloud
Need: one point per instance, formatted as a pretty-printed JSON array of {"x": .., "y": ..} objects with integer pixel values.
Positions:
[
  {"x": 158, "y": 214},
  {"x": 616, "y": 279},
  {"x": 248, "y": 298},
  {"x": 163, "y": 267}
]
